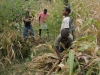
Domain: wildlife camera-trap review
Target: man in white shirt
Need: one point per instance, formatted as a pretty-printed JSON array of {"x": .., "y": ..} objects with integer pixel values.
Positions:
[
  {"x": 64, "y": 37},
  {"x": 65, "y": 23}
]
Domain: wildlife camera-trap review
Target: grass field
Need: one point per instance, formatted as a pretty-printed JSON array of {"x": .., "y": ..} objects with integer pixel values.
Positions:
[{"x": 83, "y": 59}]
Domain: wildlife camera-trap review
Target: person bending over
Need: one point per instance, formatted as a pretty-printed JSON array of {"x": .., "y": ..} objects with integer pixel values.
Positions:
[{"x": 63, "y": 41}]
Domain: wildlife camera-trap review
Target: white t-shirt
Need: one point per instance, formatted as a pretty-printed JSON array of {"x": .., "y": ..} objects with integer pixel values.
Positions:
[{"x": 65, "y": 23}]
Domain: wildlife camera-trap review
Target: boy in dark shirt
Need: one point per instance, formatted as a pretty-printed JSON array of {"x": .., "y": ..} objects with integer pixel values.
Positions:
[{"x": 27, "y": 22}]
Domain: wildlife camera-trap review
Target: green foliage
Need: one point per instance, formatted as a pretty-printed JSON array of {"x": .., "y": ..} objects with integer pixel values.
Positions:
[
  {"x": 88, "y": 22},
  {"x": 97, "y": 24},
  {"x": 11, "y": 10},
  {"x": 10, "y": 39},
  {"x": 66, "y": 1},
  {"x": 71, "y": 62},
  {"x": 13, "y": 46}
]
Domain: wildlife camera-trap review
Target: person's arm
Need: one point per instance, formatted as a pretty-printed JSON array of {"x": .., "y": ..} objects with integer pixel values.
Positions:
[
  {"x": 57, "y": 52},
  {"x": 23, "y": 19},
  {"x": 57, "y": 43},
  {"x": 39, "y": 19},
  {"x": 31, "y": 18},
  {"x": 28, "y": 19}
]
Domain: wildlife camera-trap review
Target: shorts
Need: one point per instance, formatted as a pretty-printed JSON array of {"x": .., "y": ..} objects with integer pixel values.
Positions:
[{"x": 43, "y": 26}]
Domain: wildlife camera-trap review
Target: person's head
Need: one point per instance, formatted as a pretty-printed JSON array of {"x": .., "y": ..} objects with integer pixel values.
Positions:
[
  {"x": 68, "y": 6},
  {"x": 66, "y": 11},
  {"x": 65, "y": 33},
  {"x": 27, "y": 12},
  {"x": 45, "y": 11}
]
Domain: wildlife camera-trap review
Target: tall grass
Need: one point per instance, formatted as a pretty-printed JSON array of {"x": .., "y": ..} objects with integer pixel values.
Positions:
[
  {"x": 86, "y": 21},
  {"x": 84, "y": 57}
]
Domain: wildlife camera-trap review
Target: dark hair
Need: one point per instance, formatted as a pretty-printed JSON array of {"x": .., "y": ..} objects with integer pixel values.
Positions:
[
  {"x": 68, "y": 9},
  {"x": 65, "y": 32},
  {"x": 68, "y": 6},
  {"x": 27, "y": 13},
  {"x": 45, "y": 11}
]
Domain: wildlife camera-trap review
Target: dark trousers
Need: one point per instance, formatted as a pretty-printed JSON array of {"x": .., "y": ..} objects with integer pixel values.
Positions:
[
  {"x": 25, "y": 33},
  {"x": 40, "y": 30}
]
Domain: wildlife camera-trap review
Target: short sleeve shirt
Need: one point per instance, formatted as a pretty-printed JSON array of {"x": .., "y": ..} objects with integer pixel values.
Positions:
[
  {"x": 65, "y": 23},
  {"x": 58, "y": 40},
  {"x": 43, "y": 17}
]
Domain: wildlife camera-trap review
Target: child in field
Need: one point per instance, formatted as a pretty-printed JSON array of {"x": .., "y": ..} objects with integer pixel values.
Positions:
[
  {"x": 42, "y": 21},
  {"x": 64, "y": 37},
  {"x": 27, "y": 23}
]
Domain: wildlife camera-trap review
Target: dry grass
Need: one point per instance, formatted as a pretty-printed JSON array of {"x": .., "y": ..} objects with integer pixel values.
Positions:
[{"x": 86, "y": 51}]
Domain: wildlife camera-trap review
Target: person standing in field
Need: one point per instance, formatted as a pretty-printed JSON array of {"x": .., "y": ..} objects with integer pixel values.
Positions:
[
  {"x": 42, "y": 22},
  {"x": 64, "y": 39},
  {"x": 27, "y": 24}
]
